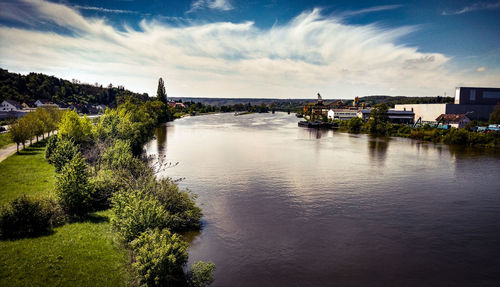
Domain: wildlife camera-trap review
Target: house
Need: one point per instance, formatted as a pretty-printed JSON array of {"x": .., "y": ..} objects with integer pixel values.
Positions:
[
  {"x": 455, "y": 120},
  {"x": 10, "y": 106},
  {"x": 43, "y": 103}
]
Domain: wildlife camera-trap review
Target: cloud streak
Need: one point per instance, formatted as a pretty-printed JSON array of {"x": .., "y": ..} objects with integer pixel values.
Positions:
[
  {"x": 311, "y": 53},
  {"x": 221, "y": 5},
  {"x": 105, "y": 10},
  {"x": 371, "y": 10},
  {"x": 474, "y": 7}
]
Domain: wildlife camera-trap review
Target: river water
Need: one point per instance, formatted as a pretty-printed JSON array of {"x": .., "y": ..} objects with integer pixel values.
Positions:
[{"x": 290, "y": 206}]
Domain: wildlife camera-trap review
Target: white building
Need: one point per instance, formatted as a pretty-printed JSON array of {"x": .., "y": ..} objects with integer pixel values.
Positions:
[
  {"x": 42, "y": 103},
  {"x": 342, "y": 114},
  {"x": 10, "y": 106}
]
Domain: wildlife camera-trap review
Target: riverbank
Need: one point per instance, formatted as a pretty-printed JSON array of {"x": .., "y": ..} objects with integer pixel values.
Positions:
[{"x": 83, "y": 253}]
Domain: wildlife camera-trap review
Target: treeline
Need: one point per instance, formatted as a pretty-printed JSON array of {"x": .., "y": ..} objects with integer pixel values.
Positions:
[
  {"x": 35, "y": 124},
  {"x": 35, "y": 86},
  {"x": 100, "y": 166},
  {"x": 378, "y": 124},
  {"x": 391, "y": 101}
]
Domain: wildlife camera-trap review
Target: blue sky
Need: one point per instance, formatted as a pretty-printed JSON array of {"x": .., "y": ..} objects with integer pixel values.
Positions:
[{"x": 267, "y": 48}]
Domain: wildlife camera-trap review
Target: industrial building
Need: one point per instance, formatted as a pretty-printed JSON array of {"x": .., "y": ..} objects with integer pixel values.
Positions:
[
  {"x": 476, "y": 103},
  {"x": 395, "y": 116}
]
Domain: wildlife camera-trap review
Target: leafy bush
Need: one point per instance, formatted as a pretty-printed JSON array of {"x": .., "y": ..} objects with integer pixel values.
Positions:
[
  {"x": 63, "y": 152},
  {"x": 51, "y": 146},
  {"x": 201, "y": 274},
  {"x": 354, "y": 125},
  {"x": 24, "y": 216},
  {"x": 183, "y": 214},
  {"x": 73, "y": 188},
  {"x": 160, "y": 256},
  {"x": 135, "y": 212},
  {"x": 104, "y": 184},
  {"x": 118, "y": 155}
]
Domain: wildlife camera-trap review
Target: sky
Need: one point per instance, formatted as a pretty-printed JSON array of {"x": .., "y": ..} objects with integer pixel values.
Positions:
[{"x": 258, "y": 48}]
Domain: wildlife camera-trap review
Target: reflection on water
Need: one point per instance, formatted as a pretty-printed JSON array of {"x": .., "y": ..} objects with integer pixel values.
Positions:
[{"x": 289, "y": 206}]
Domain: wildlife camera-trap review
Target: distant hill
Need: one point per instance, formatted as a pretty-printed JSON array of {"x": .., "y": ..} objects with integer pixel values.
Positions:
[{"x": 35, "y": 86}]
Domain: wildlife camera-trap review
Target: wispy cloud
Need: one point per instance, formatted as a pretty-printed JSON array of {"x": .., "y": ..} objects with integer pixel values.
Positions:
[
  {"x": 310, "y": 53},
  {"x": 370, "y": 10},
  {"x": 222, "y": 5},
  {"x": 474, "y": 7},
  {"x": 105, "y": 10}
]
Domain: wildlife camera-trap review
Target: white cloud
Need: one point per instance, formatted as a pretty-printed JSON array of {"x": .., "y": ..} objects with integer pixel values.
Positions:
[
  {"x": 309, "y": 54},
  {"x": 474, "y": 7},
  {"x": 481, "y": 69},
  {"x": 222, "y": 5}
]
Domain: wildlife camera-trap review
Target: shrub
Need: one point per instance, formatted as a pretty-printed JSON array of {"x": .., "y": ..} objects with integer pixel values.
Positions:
[
  {"x": 134, "y": 213},
  {"x": 183, "y": 214},
  {"x": 201, "y": 274},
  {"x": 73, "y": 188},
  {"x": 51, "y": 146},
  {"x": 63, "y": 152},
  {"x": 354, "y": 125},
  {"x": 160, "y": 256},
  {"x": 118, "y": 155},
  {"x": 104, "y": 184},
  {"x": 74, "y": 127},
  {"x": 24, "y": 216}
]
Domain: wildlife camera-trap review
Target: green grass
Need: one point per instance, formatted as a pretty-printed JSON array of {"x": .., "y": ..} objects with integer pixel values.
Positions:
[
  {"x": 84, "y": 253},
  {"x": 28, "y": 173},
  {"x": 5, "y": 140}
]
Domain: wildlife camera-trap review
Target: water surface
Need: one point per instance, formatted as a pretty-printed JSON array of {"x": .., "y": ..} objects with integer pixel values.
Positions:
[{"x": 290, "y": 206}]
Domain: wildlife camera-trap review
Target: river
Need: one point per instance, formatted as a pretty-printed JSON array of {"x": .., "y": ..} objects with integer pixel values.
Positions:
[{"x": 290, "y": 206}]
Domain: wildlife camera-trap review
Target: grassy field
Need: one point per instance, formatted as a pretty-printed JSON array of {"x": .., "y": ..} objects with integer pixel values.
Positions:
[
  {"x": 83, "y": 253},
  {"x": 5, "y": 140}
]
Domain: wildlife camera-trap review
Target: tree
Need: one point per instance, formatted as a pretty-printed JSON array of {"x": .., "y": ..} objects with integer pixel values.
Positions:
[
  {"x": 161, "y": 94},
  {"x": 75, "y": 128},
  {"x": 160, "y": 258},
  {"x": 18, "y": 134},
  {"x": 354, "y": 125},
  {"x": 495, "y": 116},
  {"x": 73, "y": 189}
]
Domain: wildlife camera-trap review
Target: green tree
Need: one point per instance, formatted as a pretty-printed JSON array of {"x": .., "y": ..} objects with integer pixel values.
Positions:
[
  {"x": 354, "y": 125},
  {"x": 59, "y": 152},
  {"x": 377, "y": 124},
  {"x": 72, "y": 187},
  {"x": 160, "y": 258},
  {"x": 161, "y": 94},
  {"x": 495, "y": 116},
  {"x": 201, "y": 274},
  {"x": 75, "y": 128},
  {"x": 18, "y": 133}
]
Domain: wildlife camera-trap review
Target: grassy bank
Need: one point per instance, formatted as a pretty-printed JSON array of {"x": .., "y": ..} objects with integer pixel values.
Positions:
[
  {"x": 83, "y": 253},
  {"x": 5, "y": 140}
]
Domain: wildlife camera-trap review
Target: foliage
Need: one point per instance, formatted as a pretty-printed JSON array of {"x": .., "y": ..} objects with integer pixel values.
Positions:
[
  {"x": 63, "y": 152},
  {"x": 29, "y": 216},
  {"x": 201, "y": 274},
  {"x": 135, "y": 212},
  {"x": 73, "y": 189},
  {"x": 5, "y": 139},
  {"x": 105, "y": 184},
  {"x": 182, "y": 212},
  {"x": 118, "y": 155},
  {"x": 35, "y": 86},
  {"x": 354, "y": 125},
  {"x": 495, "y": 116},
  {"x": 161, "y": 94},
  {"x": 160, "y": 256},
  {"x": 73, "y": 127}
]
